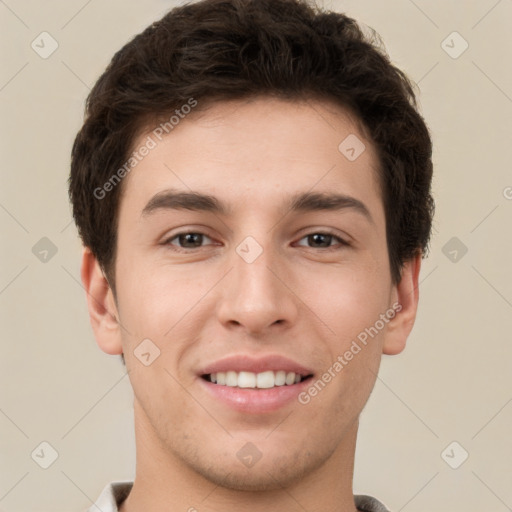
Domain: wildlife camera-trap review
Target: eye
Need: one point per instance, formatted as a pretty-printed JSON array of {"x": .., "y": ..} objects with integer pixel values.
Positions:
[
  {"x": 194, "y": 240},
  {"x": 324, "y": 239},
  {"x": 188, "y": 240}
]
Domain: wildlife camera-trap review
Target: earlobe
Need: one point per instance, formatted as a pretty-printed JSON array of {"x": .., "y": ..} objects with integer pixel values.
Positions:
[
  {"x": 103, "y": 313},
  {"x": 407, "y": 296}
]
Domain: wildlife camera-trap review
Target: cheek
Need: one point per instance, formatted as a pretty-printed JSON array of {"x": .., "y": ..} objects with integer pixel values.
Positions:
[
  {"x": 154, "y": 299},
  {"x": 348, "y": 300},
  {"x": 352, "y": 306}
]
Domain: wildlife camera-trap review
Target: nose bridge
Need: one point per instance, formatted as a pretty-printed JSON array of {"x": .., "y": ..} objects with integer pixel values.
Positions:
[
  {"x": 254, "y": 296},
  {"x": 253, "y": 262}
]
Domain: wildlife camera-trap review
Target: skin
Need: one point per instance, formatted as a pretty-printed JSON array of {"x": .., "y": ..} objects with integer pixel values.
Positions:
[{"x": 302, "y": 299}]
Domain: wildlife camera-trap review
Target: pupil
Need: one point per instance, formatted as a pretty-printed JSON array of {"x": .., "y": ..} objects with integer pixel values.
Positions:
[
  {"x": 189, "y": 237},
  {"x": 316, "y": 235}
]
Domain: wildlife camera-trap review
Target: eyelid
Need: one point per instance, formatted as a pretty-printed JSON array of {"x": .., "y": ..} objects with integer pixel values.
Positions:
[
  {"x": 184, "y": 230},
  {"x": 342, "y": 240},
  {"x": 326, "y": 231},
  {"x": 167, "y": 239}
]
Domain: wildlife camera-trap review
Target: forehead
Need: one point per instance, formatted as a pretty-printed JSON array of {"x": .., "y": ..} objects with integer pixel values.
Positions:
[{"x": 261, "y": 147}]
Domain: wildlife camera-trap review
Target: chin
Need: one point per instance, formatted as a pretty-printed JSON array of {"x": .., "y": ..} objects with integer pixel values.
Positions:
[
  {"x": 267, "y": 474},
  {"x": 252, "y": 480}
]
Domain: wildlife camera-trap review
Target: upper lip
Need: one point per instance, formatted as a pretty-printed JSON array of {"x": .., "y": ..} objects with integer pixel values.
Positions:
[{"x": 248, "y": 363}]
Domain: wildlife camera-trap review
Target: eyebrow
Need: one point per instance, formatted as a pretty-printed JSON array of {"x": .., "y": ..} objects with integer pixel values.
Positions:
[{"x": 301, "y": 202}]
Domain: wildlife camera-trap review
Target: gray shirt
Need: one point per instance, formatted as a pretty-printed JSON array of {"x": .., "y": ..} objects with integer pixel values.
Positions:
[{"x": 116, "y": 492}]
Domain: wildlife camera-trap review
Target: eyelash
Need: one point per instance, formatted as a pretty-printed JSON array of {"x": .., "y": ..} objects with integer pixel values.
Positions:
[{"x": 343, "y": 243}]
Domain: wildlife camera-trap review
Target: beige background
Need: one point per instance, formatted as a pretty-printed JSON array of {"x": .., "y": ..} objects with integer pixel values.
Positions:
[{"x": 453, "y": 382}]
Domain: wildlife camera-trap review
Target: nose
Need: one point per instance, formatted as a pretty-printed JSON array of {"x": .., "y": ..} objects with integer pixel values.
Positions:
[{"x": 257, "y": 296}]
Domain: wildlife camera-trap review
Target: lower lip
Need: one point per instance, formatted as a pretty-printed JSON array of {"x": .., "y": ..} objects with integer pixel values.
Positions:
[{"x": 255, "y": 401}]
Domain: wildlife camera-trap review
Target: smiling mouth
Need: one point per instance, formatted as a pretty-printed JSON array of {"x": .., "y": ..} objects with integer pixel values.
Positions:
[{"x": 249, "y": 380}]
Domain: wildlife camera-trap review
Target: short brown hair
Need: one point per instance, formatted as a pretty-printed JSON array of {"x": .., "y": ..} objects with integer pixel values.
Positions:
[{"x": 216, "y": 50}]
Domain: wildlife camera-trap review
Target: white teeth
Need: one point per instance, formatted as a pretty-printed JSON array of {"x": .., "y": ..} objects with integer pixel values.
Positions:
[
  {"x": 266, "y": 380},
  {"x": 231, "y": 379},
  {"x": 262, "y": 380},
  {"x": 290, "y": 378},
  {"x": 246, "y": 380},
  {"x": 280, "y": 378}
]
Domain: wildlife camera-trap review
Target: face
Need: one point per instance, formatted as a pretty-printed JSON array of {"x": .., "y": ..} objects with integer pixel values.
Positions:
[{"x": 265, "y": 306}]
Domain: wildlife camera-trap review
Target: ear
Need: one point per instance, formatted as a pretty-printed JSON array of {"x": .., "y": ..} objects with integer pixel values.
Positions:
[
  {"x": 103, "y": 312},
  {"x": 406, "y": 294}
]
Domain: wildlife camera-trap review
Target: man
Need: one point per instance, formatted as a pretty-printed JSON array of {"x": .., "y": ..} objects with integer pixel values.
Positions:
[{"x": 252, "y": 188}]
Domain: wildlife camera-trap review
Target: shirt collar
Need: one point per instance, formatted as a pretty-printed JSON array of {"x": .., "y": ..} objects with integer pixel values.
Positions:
[{"x": 116, "y": 492}]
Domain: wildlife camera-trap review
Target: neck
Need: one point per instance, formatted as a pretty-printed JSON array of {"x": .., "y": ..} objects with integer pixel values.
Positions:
[{"x": 164, "y": 482}]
